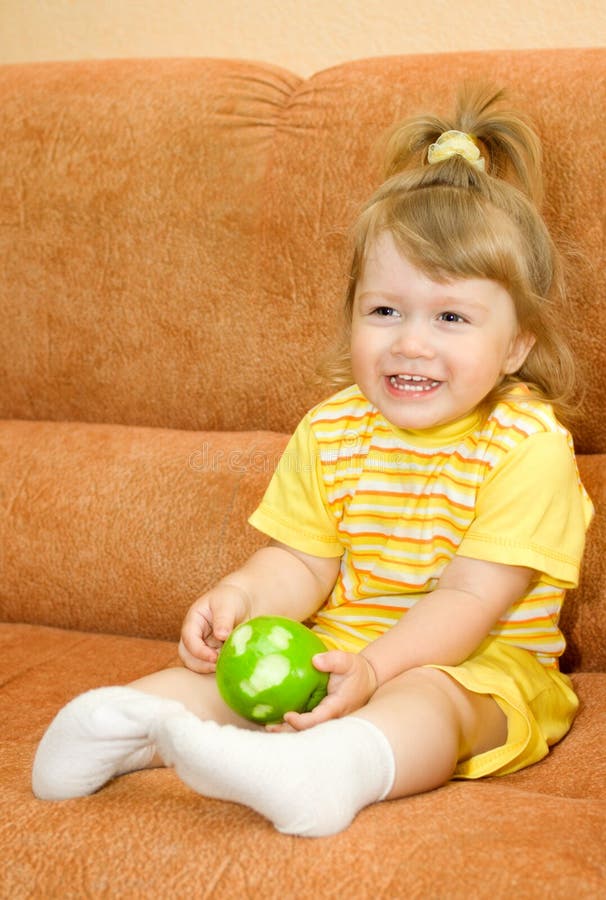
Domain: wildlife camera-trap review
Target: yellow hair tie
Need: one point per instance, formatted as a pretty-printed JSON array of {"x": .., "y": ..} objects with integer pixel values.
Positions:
[{"x": 455, "y": 143}]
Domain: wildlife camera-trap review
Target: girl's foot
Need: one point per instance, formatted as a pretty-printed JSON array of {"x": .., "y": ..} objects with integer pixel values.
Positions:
[
  {"x": 308, "y": 783},
  {"x": 97, "y": 736}
]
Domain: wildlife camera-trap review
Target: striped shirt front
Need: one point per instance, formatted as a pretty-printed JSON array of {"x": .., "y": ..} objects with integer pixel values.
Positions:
[{"x": 396, "y": 506}]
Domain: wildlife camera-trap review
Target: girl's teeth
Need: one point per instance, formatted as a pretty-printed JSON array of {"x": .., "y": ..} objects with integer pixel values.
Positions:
[{"x": 415, "y": 383}]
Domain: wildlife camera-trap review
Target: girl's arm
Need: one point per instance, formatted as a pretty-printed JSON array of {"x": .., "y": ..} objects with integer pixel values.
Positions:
[
  {"x": 447, "y": 625},
  {"x": 443, "y": 628},
  {"x": 276, "y": 580}
]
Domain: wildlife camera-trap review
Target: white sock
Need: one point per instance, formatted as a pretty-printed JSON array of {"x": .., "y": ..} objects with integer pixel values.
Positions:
[
  {"x": 98, "y": 735},
  {"x": 310, "y": 783}
]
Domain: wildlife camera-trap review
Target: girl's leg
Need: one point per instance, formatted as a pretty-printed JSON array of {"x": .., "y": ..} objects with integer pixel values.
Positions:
[
  {"x": 408, "y": 739},
  {"x": 432, "y": 723},
  {"x": 198, "y": 693},
  {"x": 107, "y": 732}
]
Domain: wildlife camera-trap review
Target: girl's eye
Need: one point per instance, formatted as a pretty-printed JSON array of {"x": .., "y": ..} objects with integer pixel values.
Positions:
[
  {"x": 384, "y": 311},
  {"x": 451, "y": 317}
]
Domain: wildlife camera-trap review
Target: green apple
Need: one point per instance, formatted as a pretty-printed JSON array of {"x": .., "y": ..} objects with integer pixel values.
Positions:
[{"x": 264, "y": 669}]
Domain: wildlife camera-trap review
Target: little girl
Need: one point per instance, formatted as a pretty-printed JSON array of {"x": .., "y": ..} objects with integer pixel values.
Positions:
[{"x": 425, "y": 521}]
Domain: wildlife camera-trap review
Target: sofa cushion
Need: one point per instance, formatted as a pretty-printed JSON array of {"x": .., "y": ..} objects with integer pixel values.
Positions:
[
  {"x": 584, "y": 612},
  {"x": 148, "y": 835},
  {"x": 174, "y": 251},
  {"x": 119, "y": 529}
]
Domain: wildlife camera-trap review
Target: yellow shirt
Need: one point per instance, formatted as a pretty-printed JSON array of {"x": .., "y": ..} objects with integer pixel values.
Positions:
[{"x": 396, "y": 506}]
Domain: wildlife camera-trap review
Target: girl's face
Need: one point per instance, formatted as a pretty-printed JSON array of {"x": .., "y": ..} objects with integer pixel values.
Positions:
[{"x": 426, "y": 352}]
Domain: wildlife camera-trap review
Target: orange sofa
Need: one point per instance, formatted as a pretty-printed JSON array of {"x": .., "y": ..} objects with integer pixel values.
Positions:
[{"x": 173, "y": 258}]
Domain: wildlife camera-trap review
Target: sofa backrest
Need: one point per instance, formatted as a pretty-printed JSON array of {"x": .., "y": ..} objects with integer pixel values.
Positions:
[{"x": 159, "y": 217}]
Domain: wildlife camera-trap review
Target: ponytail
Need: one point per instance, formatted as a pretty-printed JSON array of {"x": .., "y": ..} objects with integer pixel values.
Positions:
[{"x": 506, "y": 141}]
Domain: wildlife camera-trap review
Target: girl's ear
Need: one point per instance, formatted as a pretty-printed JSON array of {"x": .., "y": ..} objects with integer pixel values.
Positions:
[{"x": 521, "y": 346}]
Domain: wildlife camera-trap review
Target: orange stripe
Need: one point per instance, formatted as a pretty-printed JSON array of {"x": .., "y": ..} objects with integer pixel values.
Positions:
[
  {"x": 408, "y": 495},
  {"x": 411, "y": 519},
  {"x": 380, "y": 537}
]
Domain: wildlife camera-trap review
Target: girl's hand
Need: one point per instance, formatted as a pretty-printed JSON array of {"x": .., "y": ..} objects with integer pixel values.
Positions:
[
  {"x": 208, "y": 623},
  {"x": 351, "y": 684}
]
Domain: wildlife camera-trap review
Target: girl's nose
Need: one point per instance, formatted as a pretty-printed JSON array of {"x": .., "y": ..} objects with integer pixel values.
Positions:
[{"x": 413, "y": 340}]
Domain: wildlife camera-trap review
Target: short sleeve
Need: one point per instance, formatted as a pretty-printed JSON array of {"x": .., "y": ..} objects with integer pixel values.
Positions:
[
  {"x": 294, "y": 509},
  {"x": 533, "y": 511}
]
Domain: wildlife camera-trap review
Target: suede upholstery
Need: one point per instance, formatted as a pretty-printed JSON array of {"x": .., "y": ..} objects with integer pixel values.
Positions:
[{"x": 173, "y": 258}]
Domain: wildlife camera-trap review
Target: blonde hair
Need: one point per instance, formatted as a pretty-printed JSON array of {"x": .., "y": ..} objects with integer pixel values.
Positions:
[{"x": 451, "y": 219}]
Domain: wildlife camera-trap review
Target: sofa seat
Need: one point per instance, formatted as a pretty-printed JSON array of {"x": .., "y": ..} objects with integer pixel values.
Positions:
[{"x": 153, "y": 837}]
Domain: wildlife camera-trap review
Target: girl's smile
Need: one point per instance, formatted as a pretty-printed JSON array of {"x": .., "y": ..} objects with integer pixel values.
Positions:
[
  {"x": 412, "y": 384},
  {"x": 427, "y": 352}
]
